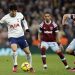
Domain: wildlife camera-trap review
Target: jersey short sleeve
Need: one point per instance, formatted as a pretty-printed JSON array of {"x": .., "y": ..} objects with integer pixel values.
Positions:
[
  {"x": 55, "y": 27},
  {"x": 24, "y": 21}
]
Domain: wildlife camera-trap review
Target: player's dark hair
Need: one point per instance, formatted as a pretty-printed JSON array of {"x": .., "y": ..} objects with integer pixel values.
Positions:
[
  {"x": 13, "y": 7},
  {"x": 47, "y": 12}
]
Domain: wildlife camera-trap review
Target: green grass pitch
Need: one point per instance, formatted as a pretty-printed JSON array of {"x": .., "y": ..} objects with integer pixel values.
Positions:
[{"x": 55, "y": 66}]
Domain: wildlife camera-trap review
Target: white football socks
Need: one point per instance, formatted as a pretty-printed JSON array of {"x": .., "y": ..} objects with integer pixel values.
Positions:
[
  {"x": 66, "y": 67},
  {"x": 45, "y": 65},
  {"x": 15, "y": 58},
  {"x": 29, "y": 58}
]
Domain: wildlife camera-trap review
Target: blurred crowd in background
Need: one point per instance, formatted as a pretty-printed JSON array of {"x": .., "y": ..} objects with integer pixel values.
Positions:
[{"x": 33, "y": 10}]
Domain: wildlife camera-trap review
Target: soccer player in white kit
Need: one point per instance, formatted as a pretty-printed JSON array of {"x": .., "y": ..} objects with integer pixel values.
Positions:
[
  {"x": 14, "y": 21},
  {"x": 66, "y": 19},
  {"x": 70, "y": 19}
]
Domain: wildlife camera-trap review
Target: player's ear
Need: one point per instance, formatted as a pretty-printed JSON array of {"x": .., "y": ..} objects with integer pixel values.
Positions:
[{"x": 43, "y": 16}]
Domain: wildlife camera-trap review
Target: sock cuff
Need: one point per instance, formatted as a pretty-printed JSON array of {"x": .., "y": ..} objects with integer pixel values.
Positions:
[
  {"x": 30, "y": 54},
  {"x": 63, "y": 59},
  {"x": 45, "y": 65},
  {"x": 15, "y": 53},
  {"x": 43, "y": 55},
  {"x": 66, "y": 66}
]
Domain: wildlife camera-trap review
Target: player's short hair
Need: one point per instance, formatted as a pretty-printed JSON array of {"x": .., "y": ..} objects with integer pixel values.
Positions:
[
  {"x": 47, "y": 12},
  {"x": 13, "y": 7}
]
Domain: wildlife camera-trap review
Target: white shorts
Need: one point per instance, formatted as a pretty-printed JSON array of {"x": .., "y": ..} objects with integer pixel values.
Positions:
[
  {"x": 53, "y": 45},
  {"x": 71, "y": 46}
]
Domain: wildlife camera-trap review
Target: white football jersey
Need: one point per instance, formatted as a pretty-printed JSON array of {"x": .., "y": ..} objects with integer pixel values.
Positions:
[{"x": 14, "y": 24}]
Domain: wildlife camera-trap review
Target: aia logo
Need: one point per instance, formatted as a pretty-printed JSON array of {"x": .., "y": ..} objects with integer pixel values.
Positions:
[
  {"x": 14, "y": 26},
  {"x": 51, "y": 28}
]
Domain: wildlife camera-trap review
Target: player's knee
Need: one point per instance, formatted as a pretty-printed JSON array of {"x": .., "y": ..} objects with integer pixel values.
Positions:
[
  {"x": 43, "y": 49},
  {"x": 28, "y": 52},
  {"x": 68, "y": 51},
  {"x": 58, "y": 51},
  {"x": 14, "y": 47}
]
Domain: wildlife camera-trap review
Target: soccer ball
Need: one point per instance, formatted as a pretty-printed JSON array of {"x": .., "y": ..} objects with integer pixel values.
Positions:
[{"x": 25, "y": 66}]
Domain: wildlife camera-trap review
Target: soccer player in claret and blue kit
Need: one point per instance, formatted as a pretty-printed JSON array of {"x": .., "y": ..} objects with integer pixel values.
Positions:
[{"x": 48, "y": 33}]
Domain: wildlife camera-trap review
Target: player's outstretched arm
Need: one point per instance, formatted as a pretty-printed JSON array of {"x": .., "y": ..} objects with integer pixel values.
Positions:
[
  {"x": 58, "y": 37},
  {"x": 39, "y": 34},
  {"x": 39, "y": 38},
  {"x": 40, "y": 30},
  {"x": 25, "y": 23},
  {"x": 58, "y": 40}
]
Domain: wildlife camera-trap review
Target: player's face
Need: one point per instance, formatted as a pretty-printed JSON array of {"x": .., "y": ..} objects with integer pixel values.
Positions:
[
  {"x": 47, "y": 17},
  {"x": 13, "y": 13}
]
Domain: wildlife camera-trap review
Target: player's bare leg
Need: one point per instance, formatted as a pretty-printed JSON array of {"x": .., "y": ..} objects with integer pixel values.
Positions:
[
  {"x": 29, "y": 57},
  {"x": 61, "y": 55},
  {"x": 43, "y": 55},
  {"x": 14, "y": 48}
]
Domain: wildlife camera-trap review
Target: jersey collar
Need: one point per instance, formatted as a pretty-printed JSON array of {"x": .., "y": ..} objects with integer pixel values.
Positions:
[{"x": 48, "y": 23}]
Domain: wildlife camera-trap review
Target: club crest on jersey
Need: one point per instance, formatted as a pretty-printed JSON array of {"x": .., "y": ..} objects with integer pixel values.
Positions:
[
  {"x": 51, "y": 28},
  {"x": 44, "y": 28}
]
